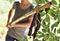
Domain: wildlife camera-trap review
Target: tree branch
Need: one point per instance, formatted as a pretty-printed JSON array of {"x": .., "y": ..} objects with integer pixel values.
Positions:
[{"x": 33, "y": 12}]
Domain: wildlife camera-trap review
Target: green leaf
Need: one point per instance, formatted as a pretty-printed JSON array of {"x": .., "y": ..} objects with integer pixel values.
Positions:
[
  {"x": 56, "y": 14},
  {"x": 41, "y": 35},
  {"x": 51, "y": 12},
  {"x": 20, "y": 39},
  {"x": 58, "y": 31},
  {"x": 46, "y": 0},
  {"x": 46, "y": 36},
  {"x": 51, "y": 34},
  {"x": 39, "y": 32},
  {"x": 59, "y": 5},
  {"x": 35, "y": 40},
  {"x": 25, "y": 39},
  {"x": 43, "y": 30},
  {"x": 51, "y": 39},
  {"x": 54, "y": 2},
  {"x": 41, "y": 1},
  {"x": 47, "y": 28},
  {"x": 42, "y": 13},
  {"x": 56, "y": 38},
  {"x": 54, "y": 25},
  {"x": 55, "y": 17},
  {"x": 46, "y": 10},
  {"x": 59, "y": 0},
  {"x": 59, "y": 18},
  {"x": 47, "y": 19},
  {"x": 55, "y": 30},
  {"x": 43, "y": 23}
]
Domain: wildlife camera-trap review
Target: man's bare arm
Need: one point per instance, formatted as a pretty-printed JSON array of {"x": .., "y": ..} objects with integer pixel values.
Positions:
[
  {"x": 9, "y": 15},
  {"x": 24, "y": 24}
]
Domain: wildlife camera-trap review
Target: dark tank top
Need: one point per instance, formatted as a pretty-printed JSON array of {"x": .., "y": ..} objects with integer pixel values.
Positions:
[{"x": 18, "y": 32}]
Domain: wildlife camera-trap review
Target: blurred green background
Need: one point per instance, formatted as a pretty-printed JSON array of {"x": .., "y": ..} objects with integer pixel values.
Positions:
[{"x": 49, "y": 32}]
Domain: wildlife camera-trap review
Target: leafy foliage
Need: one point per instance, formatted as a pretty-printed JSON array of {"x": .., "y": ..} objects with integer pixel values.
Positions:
[
  {"x": 48, "y": 31},
  {"x": 58, "y": 30}
]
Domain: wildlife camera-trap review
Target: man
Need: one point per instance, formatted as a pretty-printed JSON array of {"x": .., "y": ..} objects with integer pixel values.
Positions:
[{"x": 18, "y": 30}]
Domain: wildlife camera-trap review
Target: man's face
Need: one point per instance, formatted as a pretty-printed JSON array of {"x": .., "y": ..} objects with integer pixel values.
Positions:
[{"x": 23, "y": 0}]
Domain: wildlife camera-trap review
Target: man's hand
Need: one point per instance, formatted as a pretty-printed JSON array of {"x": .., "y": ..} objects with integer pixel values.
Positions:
[{"x": 9, "y": 25}]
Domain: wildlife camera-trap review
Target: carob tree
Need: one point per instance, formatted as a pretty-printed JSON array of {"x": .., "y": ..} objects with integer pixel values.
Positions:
[{"x": 36, "y": 22}]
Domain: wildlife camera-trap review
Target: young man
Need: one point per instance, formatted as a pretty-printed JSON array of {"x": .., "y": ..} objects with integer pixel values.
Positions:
[{"x": 18, "y": 30}]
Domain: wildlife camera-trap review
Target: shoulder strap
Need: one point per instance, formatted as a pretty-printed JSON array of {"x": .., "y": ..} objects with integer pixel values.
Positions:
[{"x": 15, "y": 5}]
